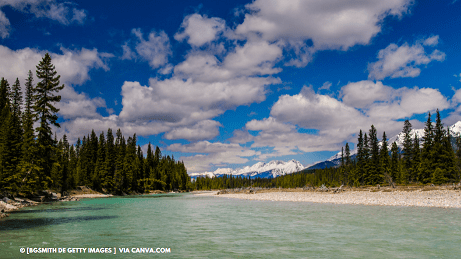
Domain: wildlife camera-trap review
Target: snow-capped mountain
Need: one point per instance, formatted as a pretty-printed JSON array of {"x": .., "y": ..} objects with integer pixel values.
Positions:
[{"x": 262, "y": 170}]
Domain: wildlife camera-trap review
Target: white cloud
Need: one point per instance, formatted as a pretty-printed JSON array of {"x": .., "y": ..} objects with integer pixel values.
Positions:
[
  {"x": 155, "y": 50},
  {"x": 334, "y": 121},
  {"x": 80, "y": 126},
  {"x": 63, "y": 13},
  {"x": 406, "y": 102},
  {"x": 218, "y": 154},
  {"x": 315, "y": 111},
  {"x": 403, "y": 61},
  {"x": 364, "y": 93},
  {"x": 200, "y": 30},
  {"x": 431, "y": 41},
  {"x": 326, "y": 86},
  {"x": 188, "y": 102},
  {"x": 206, "y": 129},
  {"x": 74, "y": 105},
  {"x": 329, "y": 24},
  {"x": 269, "y": 125},
  {"x": 72, "y": 65}
]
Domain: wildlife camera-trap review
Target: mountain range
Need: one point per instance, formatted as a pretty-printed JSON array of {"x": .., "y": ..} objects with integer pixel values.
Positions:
[{"x": 277, "y": 168}]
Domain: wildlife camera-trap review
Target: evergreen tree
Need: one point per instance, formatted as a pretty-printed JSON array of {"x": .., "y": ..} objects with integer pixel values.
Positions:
[
  {"x": 29, "y": 169},
  {"x": 416, "y": 163},
  {"x": 384, "y": 159},
  {"x": 437, "y": 150},
  {"x": 374, "y": 176},
  {"x": 427, "y": 166},
  {"x": 100, "y": 174},
  {"x": 44, "y": 106},
  {"x": 360, "y": 160},
  {"x": 394, "y": 172},
  {"x": 108, "y": 182},
  {"x": 448, "y": 157},
  {"x": 438, "y": 176},
  {"x": 366, "y": 156},
  {"x": 406, "y": 152}
]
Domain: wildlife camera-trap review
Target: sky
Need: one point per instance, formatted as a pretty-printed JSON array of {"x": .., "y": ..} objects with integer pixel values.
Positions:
[{"x": 225, "y": 84}]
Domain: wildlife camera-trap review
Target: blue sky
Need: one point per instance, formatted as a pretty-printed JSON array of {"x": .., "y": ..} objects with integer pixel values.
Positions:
[{"x": 231, "y": 83}]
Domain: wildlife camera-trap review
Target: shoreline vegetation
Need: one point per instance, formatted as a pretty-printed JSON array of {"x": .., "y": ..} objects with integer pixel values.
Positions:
[
  {"x": 8, "y": 205},
  {"x": 36, "y": 166},
  {"x": 446, "y": 196}
]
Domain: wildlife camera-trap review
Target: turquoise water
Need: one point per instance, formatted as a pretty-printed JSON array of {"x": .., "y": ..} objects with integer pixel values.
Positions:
[{"x": 211, "y": 227}]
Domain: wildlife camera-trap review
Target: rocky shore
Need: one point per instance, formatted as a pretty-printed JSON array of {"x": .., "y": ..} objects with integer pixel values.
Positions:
[{"x": 444, "y": 197}]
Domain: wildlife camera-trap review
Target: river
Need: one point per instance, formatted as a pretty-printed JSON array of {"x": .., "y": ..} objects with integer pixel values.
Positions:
[{"x": 189, "y": 226}]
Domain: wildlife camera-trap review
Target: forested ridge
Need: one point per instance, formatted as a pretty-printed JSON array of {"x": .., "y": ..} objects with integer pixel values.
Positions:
[
  {"x": 32, "y": 159},
  {"x": 436, "y": 161}
]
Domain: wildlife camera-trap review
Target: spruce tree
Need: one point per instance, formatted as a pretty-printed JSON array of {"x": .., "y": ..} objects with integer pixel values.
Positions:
[
  {"x": 384, "y": 159},
  {"x": 395, "y": 159},
  {"x": 416, "y": 163},
  {"x": 28, "y": 166},
  {"x": 109, "y": 163},
  {"x": 448, "y": 157},
  {"x": 45, "y": 90},
  {"x": 427, "y": 166},
  {"x": 360, "y": 160},
  {"x": 437, "y": 146},
  {"x": 406, "y": 151},
  {"x": 374, "y": 176},
  {"x": 100, "y": 174}
]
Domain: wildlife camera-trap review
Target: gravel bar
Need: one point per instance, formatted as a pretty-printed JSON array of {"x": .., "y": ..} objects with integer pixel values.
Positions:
[{"x": 434, "y": 198}]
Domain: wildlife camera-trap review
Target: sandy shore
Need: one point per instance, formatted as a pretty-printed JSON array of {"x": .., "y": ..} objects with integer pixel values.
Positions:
[{"x": 433, "y": 198}]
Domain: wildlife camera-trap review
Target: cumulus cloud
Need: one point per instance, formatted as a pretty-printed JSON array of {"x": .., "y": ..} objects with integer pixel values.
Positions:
[
  {"x": 329, "y": 24},
  {"x": 364, "y": 93},
  {"x": 155, "y": 50},
  {"x": 206, "y": 129},
  {"x": 315, "y": 111},
  {"x": 334, "y": 121},
  {"x": 187, "y": 102},
  {"x": 200, "y": 30},
  {"x": 80, "y": 126},
  {"x": 62, "y": 12},
  {"x": 72, "y": 65},
  {"x": 405, "y": 60},
  {"x": 217, "y": 154}
]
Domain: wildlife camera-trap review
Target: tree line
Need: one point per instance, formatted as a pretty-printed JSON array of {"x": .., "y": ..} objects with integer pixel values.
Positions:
[
  {"x": 32, "y": 160},
  {"x": 436, "y": 158}
]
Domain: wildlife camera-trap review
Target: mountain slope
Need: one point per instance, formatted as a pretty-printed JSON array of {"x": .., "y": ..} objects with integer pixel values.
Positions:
[{"x": 262, "y": 170}]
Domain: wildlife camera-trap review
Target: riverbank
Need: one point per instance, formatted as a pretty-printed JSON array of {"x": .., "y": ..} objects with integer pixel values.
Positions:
[{"x": 444, "y": 197}]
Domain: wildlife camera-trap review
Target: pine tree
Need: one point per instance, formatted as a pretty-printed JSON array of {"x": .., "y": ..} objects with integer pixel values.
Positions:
[
  {"x": 384, "y": 159},
  {"x": 448, "y": 157},
  {"x": 100, "y": 174},
  {"x": 406, "y": 151},
  {"x": 360, "y": 161},
  {"x": 437, "y": 146},
  {"x": 416, "y": 163},
  {"x": 28, "y": 167},
  {"x": 427, "y": 166},
  {"x": 44, "y": 106},
  {"x": 395, "y": 162},
  {"x": 438, "y": 176},
  {"x": 108, "y": 182},
  {"x": 374, "y": 176}
]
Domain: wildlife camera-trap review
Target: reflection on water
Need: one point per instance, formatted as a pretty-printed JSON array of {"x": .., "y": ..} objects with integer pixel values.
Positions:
[{"x": 212, "y": 227}]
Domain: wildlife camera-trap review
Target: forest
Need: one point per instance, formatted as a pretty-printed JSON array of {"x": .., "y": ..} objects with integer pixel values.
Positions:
[
  {"x": 434, "y": 159},
  {"x": 33, "y": 159}
]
